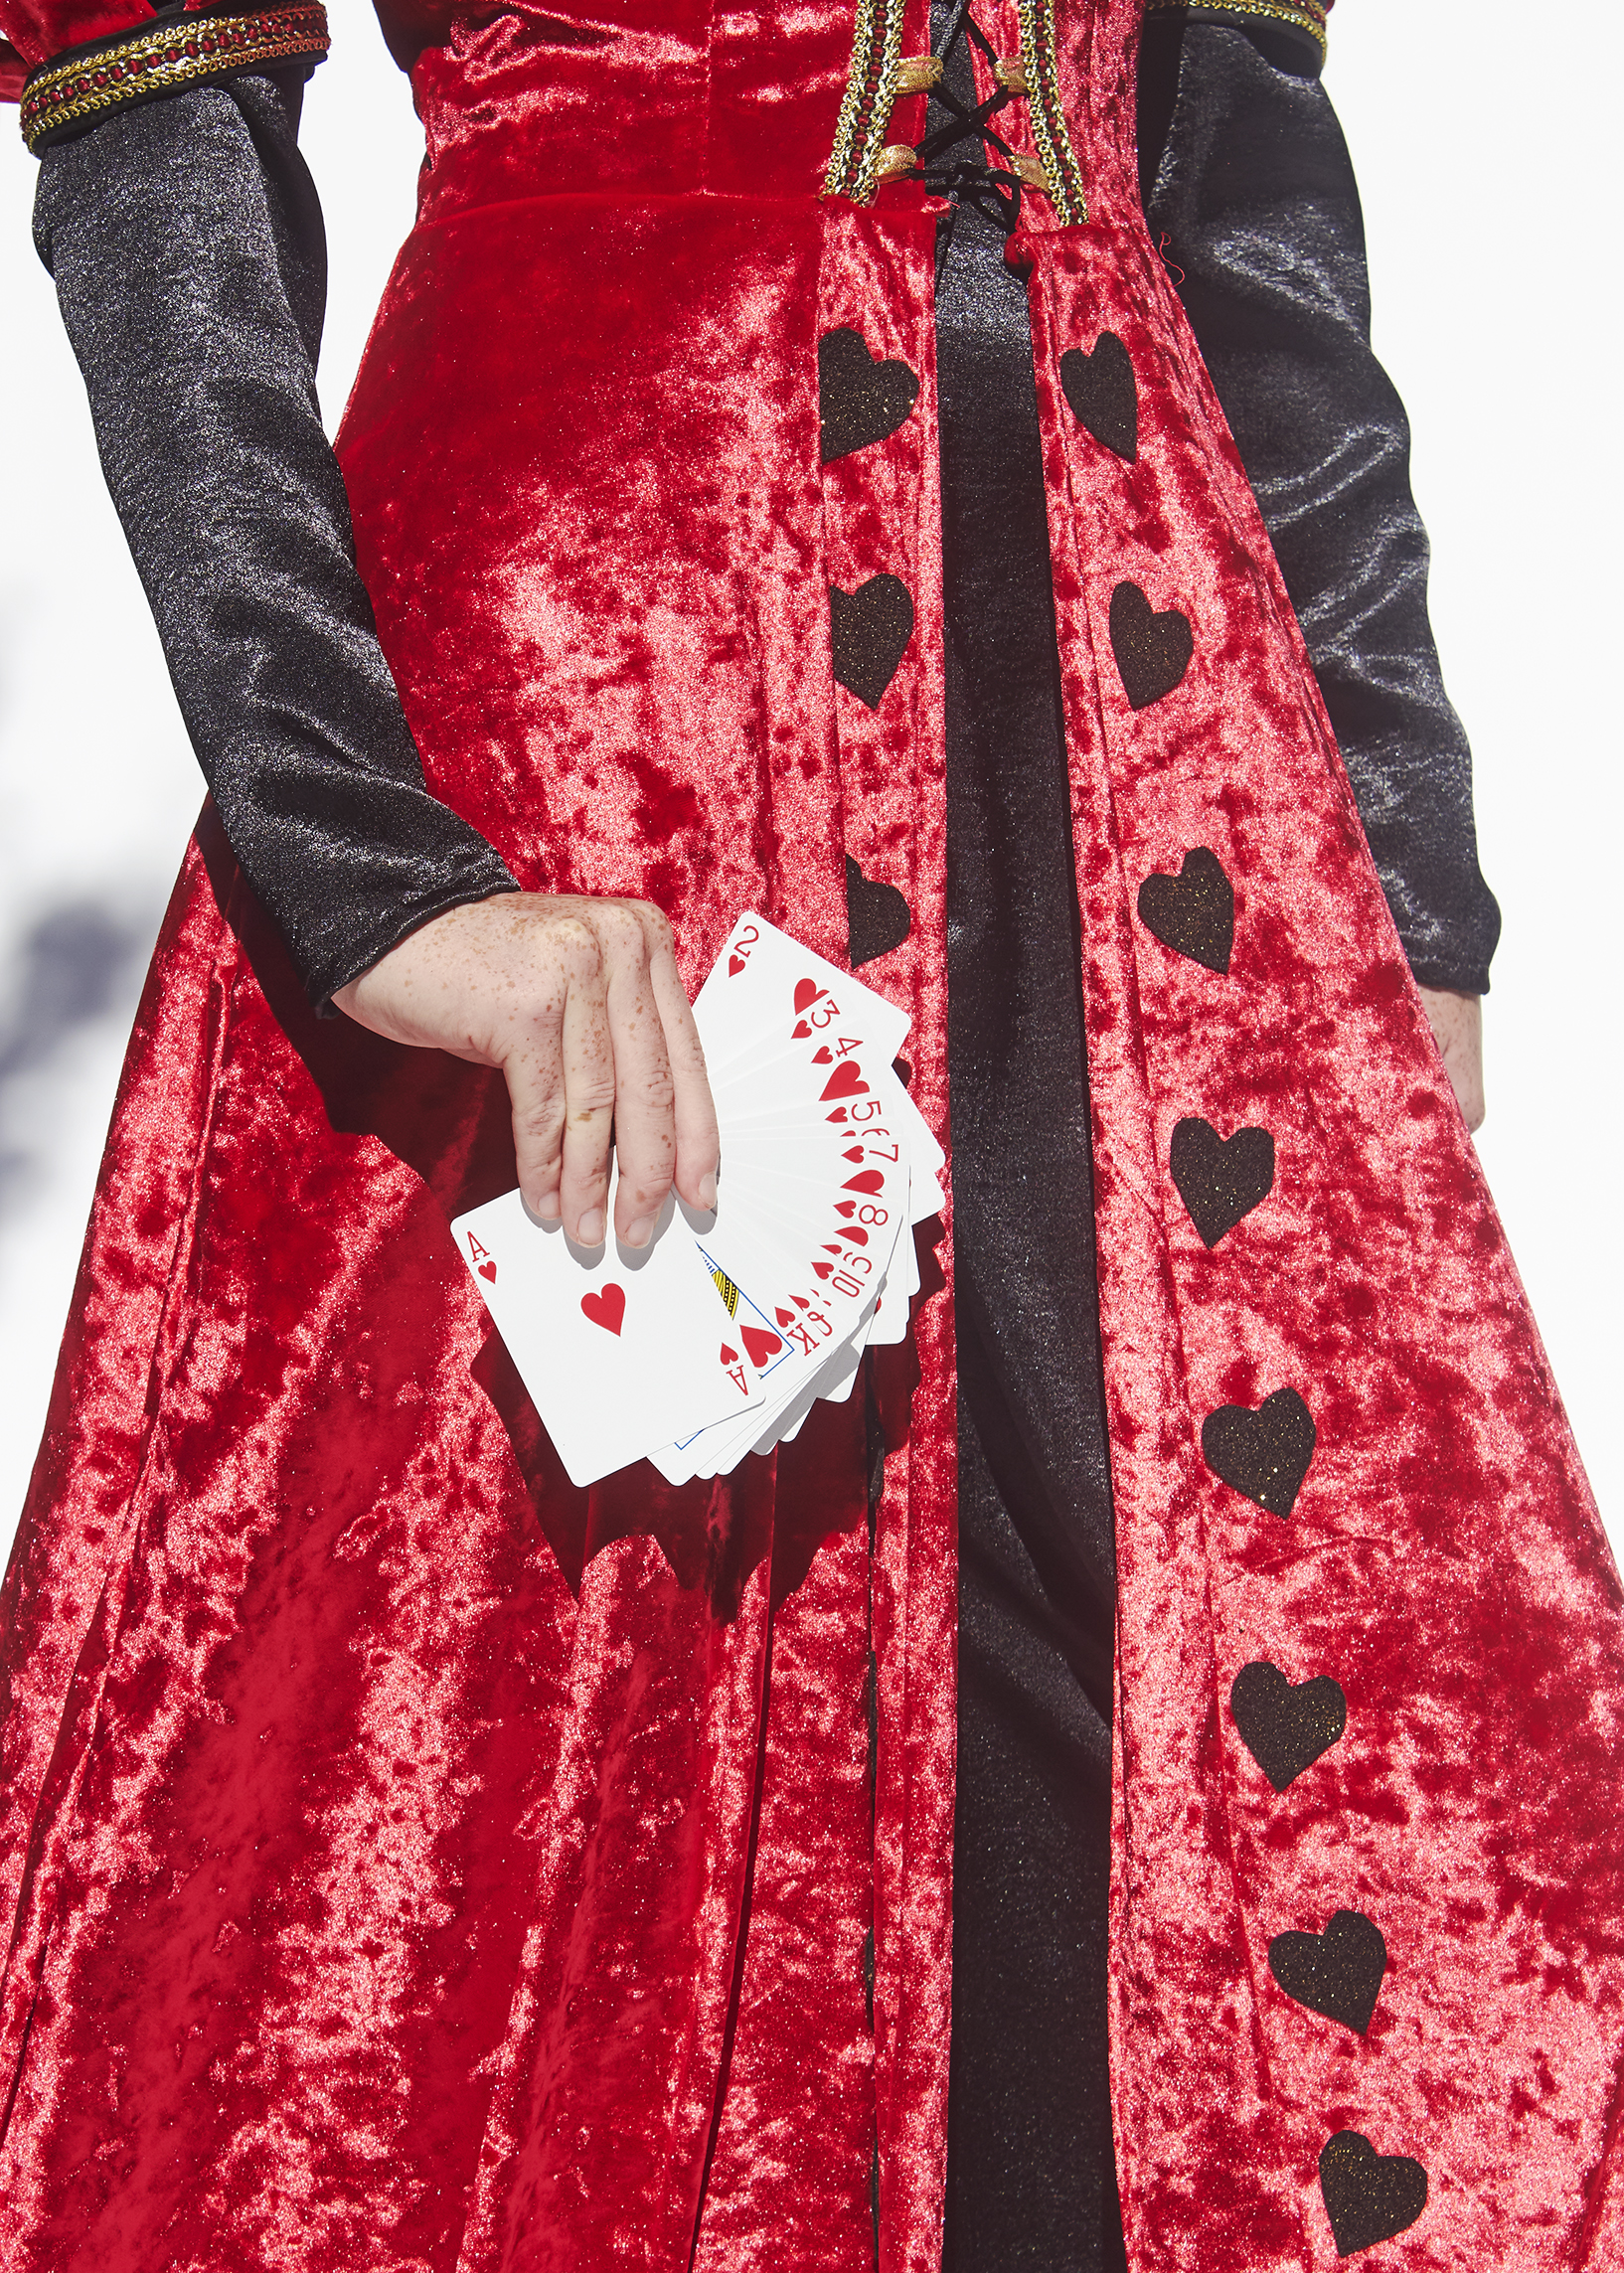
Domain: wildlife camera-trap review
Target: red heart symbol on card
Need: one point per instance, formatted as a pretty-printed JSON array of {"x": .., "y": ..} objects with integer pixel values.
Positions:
[
  {"x": 845, "y": 1081},
  {"x": 823, "y": 1056},
  {"x": 784, "y": 1317},
  {"x": 728, "y": 1356},
  {"x": 839, "y": 1114},
  {"x": 845, "y": 1207},
  {"x": 831, "y": 1250},
  {"x": 807, "y": 992},
  {"x": 800, "y": 1032},
  {"x": 607, "y": 1308},
  {"x": 871, "y": 1180},
  {"x": 735, "y": 963},
  {"x": 856, "y": 1153},
  {"x": 800, "y": 1302},
  {"x": 760, "y": 1344},
  {"x": 823, "y": 1270},
  {"x": 854, "y": 1235},
  {"x": 488, "y": 1271}
]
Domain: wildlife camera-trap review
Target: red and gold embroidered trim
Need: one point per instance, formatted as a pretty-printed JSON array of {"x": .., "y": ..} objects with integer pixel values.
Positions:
[
  {"x": 855, "y": 164},
  {"x": 1062, "y": 176},
  {"x": 1302, "y": 15},
  {"x": 153, "y": 62}
]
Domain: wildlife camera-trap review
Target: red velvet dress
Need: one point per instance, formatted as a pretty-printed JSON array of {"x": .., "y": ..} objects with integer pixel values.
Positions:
[{"x": 418, "y": 1863}]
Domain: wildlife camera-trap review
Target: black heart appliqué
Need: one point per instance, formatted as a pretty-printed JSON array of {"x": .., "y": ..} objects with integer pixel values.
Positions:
[
  {"x": 1286, "y": 1725},
  {"x": 1337, "y": 1973},
  {"x": 1264, "y": 1454},
  {"x": 1369, "y": 2198},
  {"x": 877, "y": 915},
  {"x": 1152, "y": 651},
  {"x": 1221, "y": 1179},
  {"x": 860, "y": 400},
  {"x": 868, "y": 629},
  {"x": 1101, "y": 392},
  {"x": 1193, "y": 912}
]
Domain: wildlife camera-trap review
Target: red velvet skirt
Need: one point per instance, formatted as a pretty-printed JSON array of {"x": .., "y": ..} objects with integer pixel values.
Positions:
[{"x": 416, "y": 1863}]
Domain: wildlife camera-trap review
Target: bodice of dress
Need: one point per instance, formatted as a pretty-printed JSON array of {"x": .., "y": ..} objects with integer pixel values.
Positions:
[{"x": 759, "y": 101}]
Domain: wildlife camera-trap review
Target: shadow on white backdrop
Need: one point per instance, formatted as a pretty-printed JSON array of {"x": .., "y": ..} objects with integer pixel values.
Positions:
[{"x": 1479, "y": 161}]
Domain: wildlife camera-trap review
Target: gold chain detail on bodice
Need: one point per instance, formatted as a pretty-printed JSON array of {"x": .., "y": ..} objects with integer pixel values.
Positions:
[
  {"x": 871, "y": 91},
  {"x": 1062, "y": 175},
  {"x": 862, "y": 158}
]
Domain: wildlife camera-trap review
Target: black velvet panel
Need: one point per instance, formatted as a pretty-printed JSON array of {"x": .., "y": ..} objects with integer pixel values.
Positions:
[
  {"x": 197, "y": 335},
  {"x": 1031, "y": 2167},
  {"x": 1255, "y": 194}
]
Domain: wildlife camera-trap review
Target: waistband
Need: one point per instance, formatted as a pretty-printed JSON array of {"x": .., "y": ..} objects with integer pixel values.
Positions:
[{"x": 72, "y": 92}]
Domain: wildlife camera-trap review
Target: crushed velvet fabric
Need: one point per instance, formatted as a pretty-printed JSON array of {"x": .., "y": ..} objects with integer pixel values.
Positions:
[
  {"x": 201, "y": 384},
  {"x": 416, "y": 1863},
  {"x": 1250, "y": 196},
  {"x": 1249, "y": 168}
]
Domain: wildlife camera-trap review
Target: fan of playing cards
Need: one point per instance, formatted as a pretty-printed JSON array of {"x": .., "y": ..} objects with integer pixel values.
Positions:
[{"x": 718, "y": 1338}]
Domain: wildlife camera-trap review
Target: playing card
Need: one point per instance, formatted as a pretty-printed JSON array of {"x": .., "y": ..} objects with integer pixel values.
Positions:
[
  {"x": 755, "y": 1106},
  {"x": 814, "y": 1256},
  {"x": 621, "y": 1351},
  {"x": 719, "y": 1450},
  {"x": 766, "y": 987},
  {"x": 826, "y": 1162}
]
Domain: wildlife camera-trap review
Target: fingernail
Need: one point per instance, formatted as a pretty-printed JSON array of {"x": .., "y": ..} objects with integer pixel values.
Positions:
[
  {"x": 591, "y": 1234},
  {"x": 708, "y": 1194},
  {"x": 640, "y": 1232},
  {"x": 548, "y": 1207}
]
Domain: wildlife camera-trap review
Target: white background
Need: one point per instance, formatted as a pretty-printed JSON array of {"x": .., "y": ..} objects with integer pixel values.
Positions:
[{"x": 1484, "y": 153}]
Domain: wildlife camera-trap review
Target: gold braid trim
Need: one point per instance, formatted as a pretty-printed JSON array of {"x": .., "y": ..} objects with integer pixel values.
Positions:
[
  {"x": 151, "y": 61},
  {"x": 1062, "y": 176},
  {"x": 855, "y": 163},
  {"x": 1302, "y": 15}
]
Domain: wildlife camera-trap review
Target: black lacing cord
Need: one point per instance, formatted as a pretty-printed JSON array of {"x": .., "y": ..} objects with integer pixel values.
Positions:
[{"x": 994, "y": 190}]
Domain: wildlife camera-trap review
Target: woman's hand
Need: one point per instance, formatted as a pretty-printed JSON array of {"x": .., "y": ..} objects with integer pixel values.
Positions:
[
  {"x": 579, "y": 1003},
  {"x": 1457, "y": 1028}
]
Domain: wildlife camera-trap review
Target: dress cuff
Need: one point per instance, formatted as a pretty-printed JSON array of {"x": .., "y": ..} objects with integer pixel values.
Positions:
[
  {"x": 1294, "y": 30},
  {"x": 177, "y": 49}
]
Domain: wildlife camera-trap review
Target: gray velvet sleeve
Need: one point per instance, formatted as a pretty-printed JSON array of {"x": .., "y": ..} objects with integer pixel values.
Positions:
[
  {"x": 186, "y": 242},
  {"x": 1248, "y": 186}
]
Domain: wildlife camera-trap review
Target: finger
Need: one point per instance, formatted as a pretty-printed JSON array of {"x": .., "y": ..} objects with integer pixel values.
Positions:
[
  {"x": 644, "y": 1132},
  {"x": 698, "y": 1146},
  {"x": 588, "y": 1096},
  {"x": 534, "y": 1078},
  {"x": 529, "y": 1048}
]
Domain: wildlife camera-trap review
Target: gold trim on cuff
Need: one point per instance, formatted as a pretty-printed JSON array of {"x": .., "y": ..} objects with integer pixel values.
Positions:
[
  {"x": 1302, "y": 15},
  {"x": 156, "y": 62}
]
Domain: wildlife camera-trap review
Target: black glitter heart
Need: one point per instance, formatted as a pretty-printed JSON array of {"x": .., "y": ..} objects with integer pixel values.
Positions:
[
  {"x": 860, "y": 400},
  {"x": 1337, "y": 1973},
  {"x": 1101, "y": 392},
  {"x": 1369, "y": 2198},
  {"x": 1221, "y": 1179},
  {"x": 877, "y": 915},
  {"x": 1286, "y": 1725},
  {"x": 1193, "y": 912},
  {"x": 1264, "y": 1454},
  {"x": 869, "y": 630},
  {"x": 1152, "y": 651}
]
